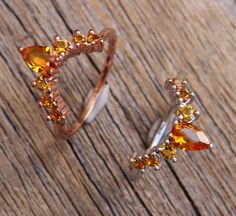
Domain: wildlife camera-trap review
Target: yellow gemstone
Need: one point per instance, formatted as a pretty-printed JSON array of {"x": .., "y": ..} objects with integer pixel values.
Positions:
[
  {"x": 55, "y": 114},
  {"x": 151, "y": 160},
  {"x": 92, "y": 37},
  {"x": 61, "y": 46},
  {"x": 36, "y": 57},
  {"x": 47, "y": 101},
  {"x": 139, "y": 164},
  {"x": 168, "y": 151},
  {"x": 79, "y": 38},
  {"x": 187, "y": 136},
  {"x": 188, "y": 113},
  {"x": 42, "y": 84}
]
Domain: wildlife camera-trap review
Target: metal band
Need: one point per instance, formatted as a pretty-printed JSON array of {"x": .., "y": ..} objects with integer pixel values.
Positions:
[
  {"x": 175, "y": 133},
  {"x": 107, "y": 35}
]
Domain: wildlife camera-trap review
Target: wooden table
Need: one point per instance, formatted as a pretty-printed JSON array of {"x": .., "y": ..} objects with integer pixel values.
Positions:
[{"x": 87, "y": 175}]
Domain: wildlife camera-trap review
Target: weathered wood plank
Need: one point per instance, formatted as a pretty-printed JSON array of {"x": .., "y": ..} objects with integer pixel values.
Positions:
[{"x": 87, "y": 175}]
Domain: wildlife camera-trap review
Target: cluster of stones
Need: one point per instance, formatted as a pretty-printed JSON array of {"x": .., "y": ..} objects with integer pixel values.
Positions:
[
  {"x": 45, "y": 61},
  {"x": 184, "y": 135},
  {"x": 148, "y": 160},
  {"x": 154, "y": 159}
]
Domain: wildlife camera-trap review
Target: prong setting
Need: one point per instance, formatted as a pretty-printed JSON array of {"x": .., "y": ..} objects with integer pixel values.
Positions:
[
  {"x": 175, "y": 159},
  {"x": 183, "y": 134}
]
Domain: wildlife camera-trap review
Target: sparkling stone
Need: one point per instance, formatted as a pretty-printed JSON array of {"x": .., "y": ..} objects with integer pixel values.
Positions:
[
  {"x": 184, "y": 94},
  {"x": 178, "y": 83},
  {"x": 47, "y": 101},
  {"x": 42, "y": 84},
  {"x": 45, "y": 70},
  {"x": 92, "y": 37},
  {"x": 36, "y": 57},
  {"x": 187, "y": 136},
  {"x": 139, "y": 164},
  {"x": 168, "y": 151},
  {"x": 79, "y": 38},
  {"x": 151, "y": 160},
  {"x": 55, "y": 114},
  {"x": 61, "y": 46},
  {"x": 187, "y": 112}
]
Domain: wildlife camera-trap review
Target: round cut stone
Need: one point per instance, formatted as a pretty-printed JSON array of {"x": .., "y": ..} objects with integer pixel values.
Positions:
[
  {"x": 92, "y": 37},
  {"x": 178, "y": 83},
  {"x": 168, "y": 151},
  {"x": 151, "y": 160},
  {"x": 79, "y": 38},
  {"x": 187, "y": 112},
  {"x": 184, "y": 94},
  {"x": 61, "y": 46},
  {"x": 47, "y": 101},
  {"x": 139, "y": 164},
  {"x": 42, "y": 84},
  {"x": 55, "y": 114}
]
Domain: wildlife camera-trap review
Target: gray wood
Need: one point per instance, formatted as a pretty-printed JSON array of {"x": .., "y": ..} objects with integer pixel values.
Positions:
[{"x": 87, "y": 175}]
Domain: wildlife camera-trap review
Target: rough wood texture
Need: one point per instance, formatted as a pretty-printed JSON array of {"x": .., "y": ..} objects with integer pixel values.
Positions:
[{"x": 87, "y": 175}]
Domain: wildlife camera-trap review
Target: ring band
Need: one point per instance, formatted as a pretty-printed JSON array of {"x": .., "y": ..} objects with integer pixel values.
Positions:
[
  {"x": 177, "y": 131},
  {"x": 47, "y": 61}
]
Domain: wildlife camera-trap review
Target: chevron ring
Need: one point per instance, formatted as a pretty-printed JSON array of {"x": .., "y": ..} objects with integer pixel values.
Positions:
[
  {"x": 176, "y": 132},
  {"x": 46, "y": 61}
]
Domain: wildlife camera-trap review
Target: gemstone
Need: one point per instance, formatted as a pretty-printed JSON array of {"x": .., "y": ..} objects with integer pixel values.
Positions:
[
  {"x": 139, "y": 164},
  {"x": 45, "y": 70},
  {"x": 168, "y": 151},
  {"x": 55, "y": 114},
  {"x": 184, "y": 94},
  {"x": 178, "y": 83},
  {"x": 187, "y": 112},
  {"x": 61, "y": 46},
  {"x": 187, "y": 136},
  {"x": 92, "y": 37},
  {"x": 151, "y": 160},
  {"x": 47, "y": 101},
  {"x": 79, "y": 38},
  {"x": 42, "y": 84},
  {"x": 36, "y": 58}
]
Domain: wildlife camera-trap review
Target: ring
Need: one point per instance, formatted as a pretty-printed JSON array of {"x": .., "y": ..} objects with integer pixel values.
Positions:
[
  {"x": 176, "y": 132},
  {"x": 46, "y": 61}
]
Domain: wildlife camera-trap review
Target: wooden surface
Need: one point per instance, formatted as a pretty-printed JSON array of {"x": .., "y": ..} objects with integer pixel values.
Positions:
[{"x": 87, "y": 175}]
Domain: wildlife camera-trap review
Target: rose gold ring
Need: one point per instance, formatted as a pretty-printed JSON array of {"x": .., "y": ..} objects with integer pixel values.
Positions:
[
  {"x": 176, "y": 132},
  {"x": 47, "y": 61}
]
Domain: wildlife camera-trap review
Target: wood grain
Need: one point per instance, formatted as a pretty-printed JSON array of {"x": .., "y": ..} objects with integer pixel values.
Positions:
[{"x": 87, "y": 175}]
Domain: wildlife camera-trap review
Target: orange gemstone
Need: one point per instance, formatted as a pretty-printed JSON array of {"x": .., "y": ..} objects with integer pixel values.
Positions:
[
  {"x": 168, "y": 151},
  {"x": 187, "y": 136},
  {"x": 139, "y": 164},
  {"x": 36, "y": 57},
  {"x": 184, "y": 94},
  {"x": 152, "y": 161},
  {"x": 45, "y": 71},
  {"x": 178, "y": 83},
  {"x": 47, "y": 101},
  {"x": 92, "y": 37},
  {"x": 79, "y": 38},
  {"x": 42, "y": 84},
  {"x": 55, "y": 114}
]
